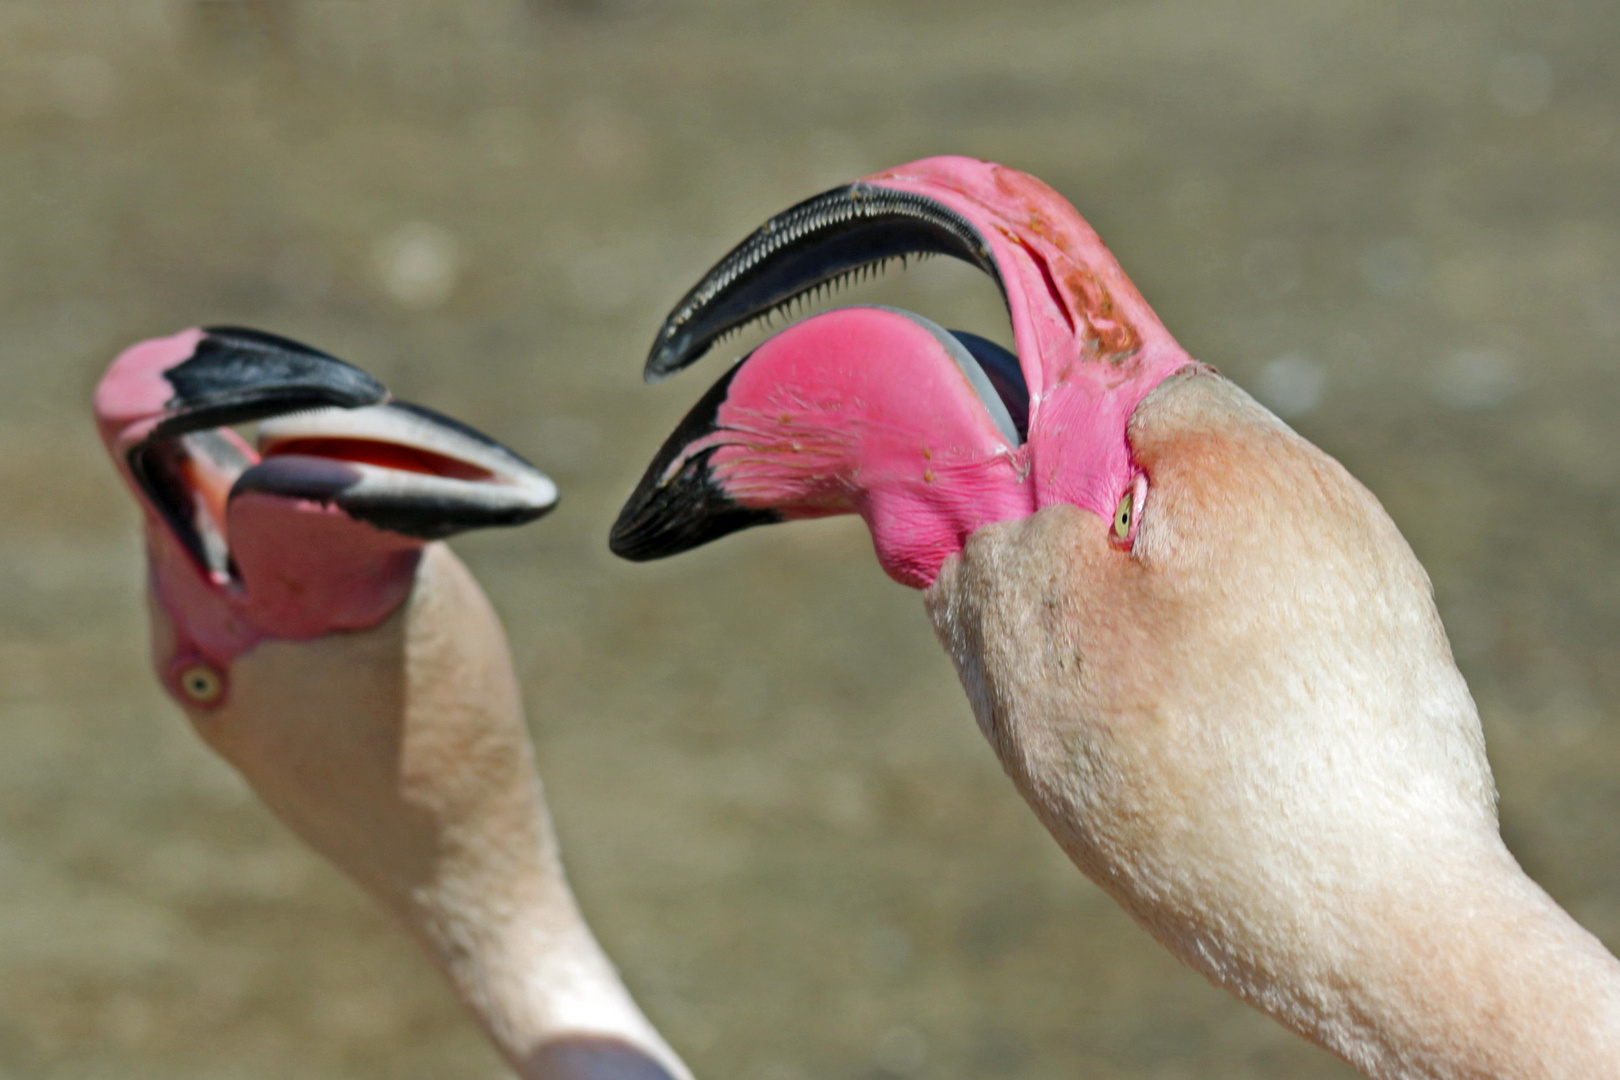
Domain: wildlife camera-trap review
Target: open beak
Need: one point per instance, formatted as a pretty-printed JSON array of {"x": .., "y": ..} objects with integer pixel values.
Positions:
[
  {"x": 328, "y": 433},
  {"x": 1088, "y": 348},
  {"x": 400, "y": 467}
]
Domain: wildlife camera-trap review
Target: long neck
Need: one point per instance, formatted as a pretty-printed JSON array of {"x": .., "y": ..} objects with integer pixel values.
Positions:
[
  {"x": 401, "y": 754},
  {"x": 499, "y": 919},
  {"x": 497, "y": 912},
  {"x": 1449, "y": 963},
  {"x": 1324, "y": 846}
]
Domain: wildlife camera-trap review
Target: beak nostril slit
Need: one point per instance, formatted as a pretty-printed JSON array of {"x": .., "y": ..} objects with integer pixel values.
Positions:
[{"x": 1050, "y": 282}]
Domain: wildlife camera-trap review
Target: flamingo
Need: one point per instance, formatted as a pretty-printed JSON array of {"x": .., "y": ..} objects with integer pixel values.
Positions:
[
  {"x": 322, "y": 640},
  {"x": 1201, "y": 650}
]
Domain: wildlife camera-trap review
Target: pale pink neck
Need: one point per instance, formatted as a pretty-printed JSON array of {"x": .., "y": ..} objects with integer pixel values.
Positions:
[
  {"x": 505, "y": 929},
  {"x": 1459, "y": 967},
  {"x": 1319, "y": 838},
  {"x": 401, "y": 754},
  {"x": 495, "y": 909}
]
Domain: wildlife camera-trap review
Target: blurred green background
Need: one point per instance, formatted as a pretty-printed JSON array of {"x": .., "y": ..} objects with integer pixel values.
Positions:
[{"x": 1396, "y": 222}]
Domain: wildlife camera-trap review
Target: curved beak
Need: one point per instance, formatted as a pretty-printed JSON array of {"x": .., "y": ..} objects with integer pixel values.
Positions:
[
  {"x": 1067, "y": 297},
  {"x": 679, "y": 503},
  {"x": 329, "y": 433},
  {"x": 1088, "y": 348},
  {"x": 209, "y": 378},
  {"x": 862, "y": 410},
  {"x": 807, "y": 247}
]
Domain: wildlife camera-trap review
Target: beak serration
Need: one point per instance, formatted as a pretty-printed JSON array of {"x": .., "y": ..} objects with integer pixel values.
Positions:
[{"x": 805, "y": 246}]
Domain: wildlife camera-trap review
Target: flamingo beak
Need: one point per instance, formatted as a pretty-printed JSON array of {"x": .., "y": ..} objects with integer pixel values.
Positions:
[
  {"x": 805, "y": 248},
  {"x": 850, "y": 416},
  {"x": 200, "y": 379},
  {"x": 679, "y": 503},
  {"x": 328, "y": 434},
  {"x": 401, "y": 467},
  {"x": 916, "y": 366}
]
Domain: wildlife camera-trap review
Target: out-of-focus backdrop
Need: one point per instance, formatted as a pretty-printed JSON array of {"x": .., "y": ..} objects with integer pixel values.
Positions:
[{"x": 1397, "y": 222}]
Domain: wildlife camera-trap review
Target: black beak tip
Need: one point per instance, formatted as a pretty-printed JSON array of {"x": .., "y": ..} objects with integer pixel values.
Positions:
[
  {"x": 426, "y": 519},
  {"x": 627, "y": 541},
  {"x": 660, "y": 366},
  {"x": 679, "y": 504},
  {"x": 686, "y": 512},
  {"x": 670, "y": 352}
]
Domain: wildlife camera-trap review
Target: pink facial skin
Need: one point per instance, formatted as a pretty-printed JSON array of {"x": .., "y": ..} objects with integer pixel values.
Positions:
[
  {"x": 862, "y": 410},
  {"x": 1089, "y": 345},
  {"x": 303, "y": 569}
]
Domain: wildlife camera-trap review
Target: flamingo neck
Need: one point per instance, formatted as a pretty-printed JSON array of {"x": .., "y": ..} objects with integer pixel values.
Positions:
[
  {"x": 494, "y": 907},
  {"x": 1322, "y": 845},
  {"x": 400, "y": 753},
  {"x": 1453, "y": 966},
  {"x": 502, "y": 924}
]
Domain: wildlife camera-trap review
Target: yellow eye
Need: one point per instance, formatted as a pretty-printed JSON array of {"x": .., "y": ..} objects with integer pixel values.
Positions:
[
  {"x": 1122, "y": 515},
  {"x": 201, "y": 684}
]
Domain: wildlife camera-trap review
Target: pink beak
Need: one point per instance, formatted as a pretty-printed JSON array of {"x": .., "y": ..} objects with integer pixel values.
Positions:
[{"x": 884, "y": 414}]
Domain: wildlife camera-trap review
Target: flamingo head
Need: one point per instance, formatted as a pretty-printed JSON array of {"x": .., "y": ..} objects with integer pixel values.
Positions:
[
  {"x": 1201, "y": 650},
  {"x": 319, "y": 527},
  {"x": 927, "y": 433}
]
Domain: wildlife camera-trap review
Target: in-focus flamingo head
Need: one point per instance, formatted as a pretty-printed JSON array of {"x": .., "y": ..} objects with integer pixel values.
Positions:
[
  {"x": 928, "y": 434},
  {"x": 1201, "y": 650},
  {"x": 318, "y": 527}
]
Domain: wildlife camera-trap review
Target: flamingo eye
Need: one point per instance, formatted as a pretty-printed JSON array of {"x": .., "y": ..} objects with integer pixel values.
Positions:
[
  {"x": 202, "y": 684},
  {"x": 1122, "y": 515}
]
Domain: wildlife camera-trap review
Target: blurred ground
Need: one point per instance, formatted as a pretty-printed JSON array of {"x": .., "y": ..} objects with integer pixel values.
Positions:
[{"x": 1397, "y": 222}]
